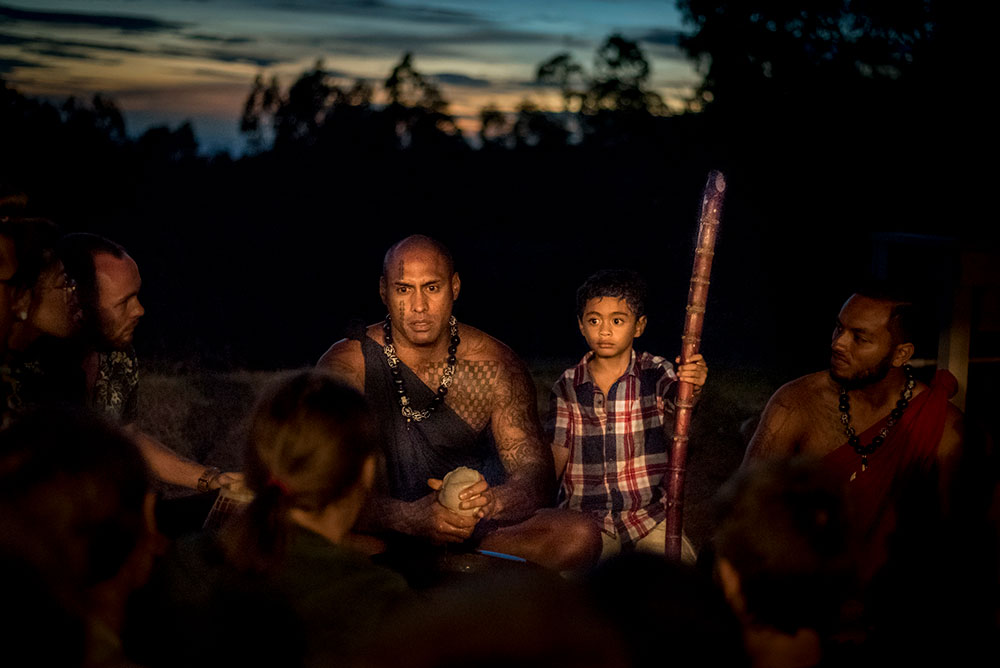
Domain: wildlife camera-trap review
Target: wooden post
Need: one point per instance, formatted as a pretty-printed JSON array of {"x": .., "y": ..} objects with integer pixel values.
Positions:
[{"x": 711, "y": 208}]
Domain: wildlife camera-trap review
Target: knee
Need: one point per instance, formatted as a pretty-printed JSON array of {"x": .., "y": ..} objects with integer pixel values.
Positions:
[{"x": 579, "y": 544}]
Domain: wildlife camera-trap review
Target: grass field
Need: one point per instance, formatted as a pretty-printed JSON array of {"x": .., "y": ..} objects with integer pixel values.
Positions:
[{"x": 202, "y": 416}]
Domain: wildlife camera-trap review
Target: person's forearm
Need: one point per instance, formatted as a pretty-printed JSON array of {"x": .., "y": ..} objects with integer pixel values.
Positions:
[
  {"x": 166, "y": 464},
  {"x": 519, "y": 497},
  {"x": 383, "y": 513}
]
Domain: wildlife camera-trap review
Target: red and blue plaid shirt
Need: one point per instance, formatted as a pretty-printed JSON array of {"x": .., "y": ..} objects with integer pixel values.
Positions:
[{"x": 617, "y": 445}]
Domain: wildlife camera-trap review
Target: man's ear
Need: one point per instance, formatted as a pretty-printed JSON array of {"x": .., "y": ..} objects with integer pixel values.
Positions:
[
  {"x": 382, "y": 289},
  {"x": 902, "y": 354},
  {"x": 640, "y": 326},
  {"x": 368, "y": 472},
  {"x": 729, "y": 580},
  {"x": 456, "y": 286}
]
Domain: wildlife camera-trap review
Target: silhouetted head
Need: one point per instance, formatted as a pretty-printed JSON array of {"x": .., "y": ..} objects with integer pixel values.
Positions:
[
  {"x": 310, "y": 440},
  {"x": 782, "y": 544},
  {"x": 309, "y": 435},
  {"x": 419, "y": 285},
  {"x": 74, "y": 496}
]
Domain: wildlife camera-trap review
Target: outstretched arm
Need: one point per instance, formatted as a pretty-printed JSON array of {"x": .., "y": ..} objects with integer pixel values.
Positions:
[{"x": 170, "y": 467}]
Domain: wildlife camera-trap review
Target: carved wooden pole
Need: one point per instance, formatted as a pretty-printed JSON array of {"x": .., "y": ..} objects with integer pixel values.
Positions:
[{"x": 711, "y": 208}]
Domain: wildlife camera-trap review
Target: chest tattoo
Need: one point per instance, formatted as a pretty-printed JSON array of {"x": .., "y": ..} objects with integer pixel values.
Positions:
[{"x": 472, "y": 391}]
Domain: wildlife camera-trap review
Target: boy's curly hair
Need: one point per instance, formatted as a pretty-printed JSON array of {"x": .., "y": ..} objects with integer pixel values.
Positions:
[{"x": 618, "y": 283}]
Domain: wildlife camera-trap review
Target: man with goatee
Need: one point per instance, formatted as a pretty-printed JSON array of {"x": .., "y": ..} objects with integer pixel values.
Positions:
[{"x": 878, "y": 430}]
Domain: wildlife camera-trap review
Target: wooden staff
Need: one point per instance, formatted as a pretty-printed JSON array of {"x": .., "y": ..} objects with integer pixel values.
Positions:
[{"x": 711, "y": 208}]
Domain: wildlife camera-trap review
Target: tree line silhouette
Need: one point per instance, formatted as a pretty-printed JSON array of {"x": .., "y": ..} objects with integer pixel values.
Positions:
[{"x": 816, "y": 116}]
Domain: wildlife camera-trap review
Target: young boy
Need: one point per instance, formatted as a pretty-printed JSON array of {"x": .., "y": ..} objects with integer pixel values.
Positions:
[{"x": 607, "y": 415}]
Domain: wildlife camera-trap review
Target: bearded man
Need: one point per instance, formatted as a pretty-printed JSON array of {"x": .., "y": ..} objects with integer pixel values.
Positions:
[
  {"x": 875, "y": 427},
  {"x": 448, "y": 395}
]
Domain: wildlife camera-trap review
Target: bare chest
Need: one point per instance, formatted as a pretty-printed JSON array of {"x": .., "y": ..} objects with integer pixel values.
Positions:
[
  {"x": 473, "y": 388},
  {"x": 822, "y": 431}
]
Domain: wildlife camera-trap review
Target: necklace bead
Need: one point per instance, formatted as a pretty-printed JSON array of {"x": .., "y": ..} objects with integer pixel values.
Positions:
[
  {"x": 446, "y": 378},
  {"x": 894, "y": 415}
]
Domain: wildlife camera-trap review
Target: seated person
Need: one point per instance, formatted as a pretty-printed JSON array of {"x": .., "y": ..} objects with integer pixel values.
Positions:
[
  {"x": 75, "y": 504},
  {"x": 448, "y": 395},
  {"x": 41, "y": 361},
  {"x": 108, "y": 284},
  {"x": 276, "y": 586},
  {"x": 620, "y": 397}
]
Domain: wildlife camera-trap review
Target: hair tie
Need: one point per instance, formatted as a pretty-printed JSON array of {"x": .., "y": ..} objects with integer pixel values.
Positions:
[{"x": 274, "y": 481}]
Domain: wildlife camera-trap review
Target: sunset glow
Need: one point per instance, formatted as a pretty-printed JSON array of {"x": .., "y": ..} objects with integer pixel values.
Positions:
[{"x": 164, "y": 62}]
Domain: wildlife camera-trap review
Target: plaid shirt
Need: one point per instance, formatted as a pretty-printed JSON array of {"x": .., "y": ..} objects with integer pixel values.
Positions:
[{"x": 617, "y": 446}]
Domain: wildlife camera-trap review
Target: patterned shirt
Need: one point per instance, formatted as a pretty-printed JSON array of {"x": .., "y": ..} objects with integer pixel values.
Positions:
[
  {"x": 617, "y": 445},
  {"x": 116, "y": 389}
]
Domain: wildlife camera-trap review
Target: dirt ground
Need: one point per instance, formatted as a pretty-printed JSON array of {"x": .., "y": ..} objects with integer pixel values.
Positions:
[{"x": 202, "y": 416}]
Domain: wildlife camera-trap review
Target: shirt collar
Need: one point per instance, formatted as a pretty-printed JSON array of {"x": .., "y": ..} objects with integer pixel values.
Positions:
[{"x": 582, "y": 375}]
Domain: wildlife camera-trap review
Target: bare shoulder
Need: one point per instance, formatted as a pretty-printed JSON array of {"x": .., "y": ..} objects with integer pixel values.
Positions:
[
  {"x": 784, "y": 426},
  {"x": 477, "y": 345},
  {"x": 803, "y": 392},
  {"x": 512, "y": 376},
  {"x": 345, "y": 360}
]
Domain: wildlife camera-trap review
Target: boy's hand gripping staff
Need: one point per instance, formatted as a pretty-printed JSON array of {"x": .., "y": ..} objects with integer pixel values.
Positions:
[{"x": 711, "y": 208}]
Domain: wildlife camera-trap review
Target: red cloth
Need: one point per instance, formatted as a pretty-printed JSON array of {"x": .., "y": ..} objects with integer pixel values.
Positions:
[{"x": 910, "y": 448}]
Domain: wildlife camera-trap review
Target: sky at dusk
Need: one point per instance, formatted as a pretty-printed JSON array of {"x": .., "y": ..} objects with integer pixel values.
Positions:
[{"x": 166, "y": 61}]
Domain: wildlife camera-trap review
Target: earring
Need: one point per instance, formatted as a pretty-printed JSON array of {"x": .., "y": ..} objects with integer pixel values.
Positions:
[{"x": 22, "y": 315}]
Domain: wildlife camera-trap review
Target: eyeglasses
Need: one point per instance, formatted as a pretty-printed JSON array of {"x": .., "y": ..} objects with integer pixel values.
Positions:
[{"x": 67, "y": 285}]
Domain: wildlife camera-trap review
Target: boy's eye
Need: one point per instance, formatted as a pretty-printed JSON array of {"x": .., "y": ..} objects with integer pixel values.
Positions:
[
  {"x": 593, "y": 321},
  {"x": 619, "y": 321}
]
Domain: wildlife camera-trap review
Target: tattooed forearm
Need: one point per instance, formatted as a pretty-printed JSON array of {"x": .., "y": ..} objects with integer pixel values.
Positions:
[{"x": 517, "y": 431}]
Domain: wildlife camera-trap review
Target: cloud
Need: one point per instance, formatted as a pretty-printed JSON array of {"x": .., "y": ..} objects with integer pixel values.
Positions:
[
  {"x": 220, "y": 39},
  {"x": 10, "y": 64},
  {"x": 59, "y": 52},
  {"x": 36, "y": 43},
  {"x": 219, "y": 55},
  {"x": 140, "y": 24},
  {"x": 455, "y": 79},
  {"x": 76, "y": 49},
  {"x": 379, "y": 9},
  {"x": 452, "y": 44},
  {"x": 663, "y": 36}
]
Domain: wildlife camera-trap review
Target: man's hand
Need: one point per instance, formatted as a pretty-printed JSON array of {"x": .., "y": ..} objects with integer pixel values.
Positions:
[
  {"x": 481, "y": 497},
  {"x": 231, "y": 480},
  {"x": 437, "y": 522},
  {"x": 694, "y": 372}
]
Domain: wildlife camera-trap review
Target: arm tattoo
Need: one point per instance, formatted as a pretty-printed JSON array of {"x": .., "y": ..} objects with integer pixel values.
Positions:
[{"x": 518, "y": 435}]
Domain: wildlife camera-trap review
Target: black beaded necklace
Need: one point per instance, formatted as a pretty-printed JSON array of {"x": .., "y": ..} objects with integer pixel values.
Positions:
[
  {"x": 894, "y": 415},
  {"x": 446, "y": 378}
]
